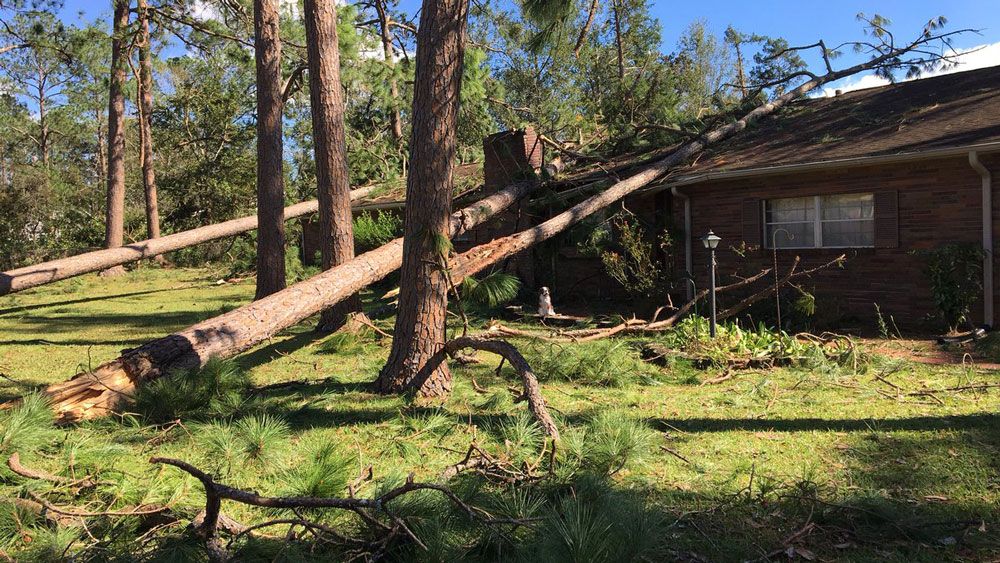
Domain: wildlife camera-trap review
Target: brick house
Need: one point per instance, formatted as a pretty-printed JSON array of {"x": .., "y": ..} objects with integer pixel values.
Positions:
[{"x": 874, "y": 174}]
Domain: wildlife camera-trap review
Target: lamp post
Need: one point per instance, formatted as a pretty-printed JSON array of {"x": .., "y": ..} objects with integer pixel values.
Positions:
[{"x": 711, "y": 242}]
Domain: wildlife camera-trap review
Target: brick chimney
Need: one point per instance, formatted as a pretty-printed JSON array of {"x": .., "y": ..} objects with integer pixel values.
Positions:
[{"x": 511, "y": 156}]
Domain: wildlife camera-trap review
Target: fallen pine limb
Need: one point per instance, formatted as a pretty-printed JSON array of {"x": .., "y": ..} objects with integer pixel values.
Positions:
[
  {"x": 639, "y": 326},
  {"x": 15, "y": 465},
  {"x": 372, "y": 511},
  {"x": 501, "y": 468},
  {"x": 507, "y": 351},
  {"x": 27, "y": 277},
  {"x": 629, "y": 326},
  {"x": 100, "y": 391}
]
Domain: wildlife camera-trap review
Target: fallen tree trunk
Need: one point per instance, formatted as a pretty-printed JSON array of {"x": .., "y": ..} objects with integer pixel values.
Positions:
[
  {"x": 99, "y": 392},
  {"x": 55, "y": 270},
  {"x": 484, "y": 255}
]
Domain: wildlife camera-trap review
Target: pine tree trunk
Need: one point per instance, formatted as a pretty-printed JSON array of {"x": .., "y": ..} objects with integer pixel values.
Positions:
[
  {"x": 27, "y": 277},
  {"x": 423, "y": 297},
  {"x": 396, "y": 120},
  {"x": 101, "y": 391},
  {"x": 114, "y": 227},
  {"x": 146, "y": 124},
  {"x": 330, "y": 143},
  {"x": 270, "y": 179}
]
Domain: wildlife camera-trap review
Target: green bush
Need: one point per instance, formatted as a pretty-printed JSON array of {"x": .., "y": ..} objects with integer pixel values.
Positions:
[
  {"x": 756, "y": 345},
  {"x": 372, "y": 230},
  {"x": 955, "y": 272}
]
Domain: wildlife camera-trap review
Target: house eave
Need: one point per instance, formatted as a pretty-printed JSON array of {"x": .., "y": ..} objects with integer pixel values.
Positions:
[{"x": 982, "y": 148}]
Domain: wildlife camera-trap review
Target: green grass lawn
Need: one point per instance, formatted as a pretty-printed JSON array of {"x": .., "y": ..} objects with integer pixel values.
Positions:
[{"x": 824, "y": 464}]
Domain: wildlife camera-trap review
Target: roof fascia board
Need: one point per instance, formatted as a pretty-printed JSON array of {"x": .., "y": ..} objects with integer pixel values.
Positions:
[{"x": 984, "y": 148}]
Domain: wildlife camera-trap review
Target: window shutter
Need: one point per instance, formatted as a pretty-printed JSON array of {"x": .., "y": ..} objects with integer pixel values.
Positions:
[
  {"x": 886, "y": 219},
  {"x": 753, "y": 231}
]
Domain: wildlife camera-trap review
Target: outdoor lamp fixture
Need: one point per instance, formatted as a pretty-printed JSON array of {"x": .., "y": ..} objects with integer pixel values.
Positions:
[{"x": 711, "y": 242}]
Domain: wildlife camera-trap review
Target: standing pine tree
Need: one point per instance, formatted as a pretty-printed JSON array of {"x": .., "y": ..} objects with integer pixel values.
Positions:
[
  {"x": 330, "y": 145},
  {"x": 270, "y": 179},
  {"x": 423, "y": 297}
]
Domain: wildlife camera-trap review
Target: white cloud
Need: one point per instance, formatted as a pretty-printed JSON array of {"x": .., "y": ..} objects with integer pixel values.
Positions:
[
  {"x": 982, "y": 56},
  {"x": 204, "y": 11}
]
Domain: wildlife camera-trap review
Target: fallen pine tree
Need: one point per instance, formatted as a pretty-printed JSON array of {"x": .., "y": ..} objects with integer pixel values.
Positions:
[
  {"x": 98, "y": 392},
  {"x": 35, "y": 275}
]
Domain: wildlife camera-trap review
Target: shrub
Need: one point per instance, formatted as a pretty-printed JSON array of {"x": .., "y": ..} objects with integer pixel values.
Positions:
[
  {"x": 955, "y": 272},
  {"x": 372, "y": 230},
  {"x": 756, "y": 345}
]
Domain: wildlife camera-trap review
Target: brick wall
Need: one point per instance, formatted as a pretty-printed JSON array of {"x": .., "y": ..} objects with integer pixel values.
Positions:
[{"x": 939, "y": 202}]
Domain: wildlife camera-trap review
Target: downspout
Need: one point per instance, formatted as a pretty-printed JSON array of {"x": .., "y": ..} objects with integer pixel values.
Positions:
[
  {"x": 987, "y": 236},
  {"x": 688, "y": 258}
]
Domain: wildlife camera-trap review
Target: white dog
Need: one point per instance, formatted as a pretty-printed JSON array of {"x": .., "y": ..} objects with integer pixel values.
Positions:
[{"x": 545, "y": 303}]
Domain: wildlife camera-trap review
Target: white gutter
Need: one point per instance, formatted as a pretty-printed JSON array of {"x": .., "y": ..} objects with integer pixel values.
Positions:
[
  {"x": 825, "y": 165},
  {"x": 688, "y": 257},
  {"x": 987, "y": 236}
]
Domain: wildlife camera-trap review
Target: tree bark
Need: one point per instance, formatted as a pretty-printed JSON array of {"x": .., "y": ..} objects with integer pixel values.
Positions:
[
  {"x": 114, "y": 227},
  {"x": 330, "y": 144},
  {"x": 99, "y": 392},
  {"x": 616, "y": 10},
  {"x": 145, "y": 125},
  {"x": 270, "y": 178},
  {"x": 388, "y": 55},
  {"x": 20, "y": 279},
  {"x": 591, "y": 13},
  {"x": 423, "y": 297}
]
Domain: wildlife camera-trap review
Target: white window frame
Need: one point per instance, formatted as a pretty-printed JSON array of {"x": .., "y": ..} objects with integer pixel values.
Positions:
[{"x": 817, "y": 222}]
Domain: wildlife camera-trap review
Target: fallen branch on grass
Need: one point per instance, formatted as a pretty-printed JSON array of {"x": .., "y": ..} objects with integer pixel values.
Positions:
[
  {"x": 15, "y": 465},
  {"x": 372, "y": 511},
  {"x": 500, "y": 468},
  {"x": 638, "y": 326},
  {"x": 532, "y": 393},
  {"x": 47, "y": 272}
]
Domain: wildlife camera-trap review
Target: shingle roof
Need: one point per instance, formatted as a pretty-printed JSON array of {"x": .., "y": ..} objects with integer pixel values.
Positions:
[{"x": 948, "y": 111}]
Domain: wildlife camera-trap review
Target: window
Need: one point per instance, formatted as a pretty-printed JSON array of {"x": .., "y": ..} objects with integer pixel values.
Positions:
[{"x": 828, "y": 221}]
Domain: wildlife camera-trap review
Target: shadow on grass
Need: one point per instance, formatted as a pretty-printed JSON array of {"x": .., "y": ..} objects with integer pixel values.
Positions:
[
  {"x": 279, "y": 347},
  {"x": 951, "y": 422},
  {"x": 47, "y": 304},
  {"x": 125, "y": 342},
  {"x": 902, "y": 497},
  {"x": 155, "y": 322}
]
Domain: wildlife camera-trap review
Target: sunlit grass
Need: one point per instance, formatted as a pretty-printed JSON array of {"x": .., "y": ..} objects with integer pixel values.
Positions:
[{"x": 718, "y": 470}]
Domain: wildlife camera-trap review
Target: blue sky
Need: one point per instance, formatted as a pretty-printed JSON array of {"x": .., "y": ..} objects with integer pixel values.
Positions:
[{"x": 799, "y": 21}]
